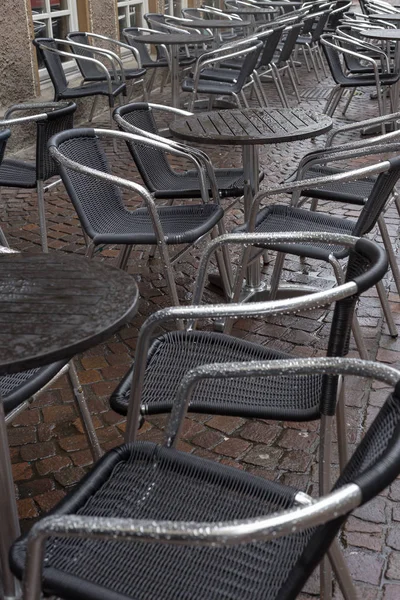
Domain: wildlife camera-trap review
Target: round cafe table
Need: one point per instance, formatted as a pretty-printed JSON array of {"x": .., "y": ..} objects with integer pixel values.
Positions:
[
  {"x": 174, "y": 40},
  {"x": 52, "y": 307},
  {"x": 388, "y": 35},
  {"x": 250, "y": 128}
]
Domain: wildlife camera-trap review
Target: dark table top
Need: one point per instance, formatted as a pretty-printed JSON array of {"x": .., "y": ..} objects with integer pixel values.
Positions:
[
  {"x": 53, "y": 306},
  {"x": 173, "y": 38},
  {"x": 251, "y": 126},
  {"x": 383, "y": 34},
  {"x": 385, "y": 17}
]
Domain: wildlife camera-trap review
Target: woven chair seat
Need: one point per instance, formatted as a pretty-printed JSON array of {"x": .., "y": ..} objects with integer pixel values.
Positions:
[
  {"x": 92, "y": 89},
  {"x": 207, "y": 86},
  {"x": 143, "y": 481},
  {"x": 172, "y": 355},
  {"x": 279, "y": 218},
  {"x": 17, "y": 173},
  {"x": 129, "y": 74},
  {"x": 180, "y": 224},
  {"x": 353, "y": 192},
  {"x": 228, "y": 75},
  {"x": 230, "y": 183},
  {"x": 18, "y": 387}
]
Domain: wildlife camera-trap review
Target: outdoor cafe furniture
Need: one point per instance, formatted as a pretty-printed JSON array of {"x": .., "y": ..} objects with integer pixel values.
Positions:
[
  {"x": 216, "y": 26},
  {"x": 250, "y": 128},
  {"x": 389, "y": 35},
  {"x": 173, "y": 41},
  {"x": 113, "y": 86},
  {"x": 164, "y": 182},
  {"x": 145, "y": 504},
  {"x": 53, "y": 306},
  {"x": 48, "y": 118},
  {"x": 82, "y": 45},
  {"x": 96, "y": 195}
]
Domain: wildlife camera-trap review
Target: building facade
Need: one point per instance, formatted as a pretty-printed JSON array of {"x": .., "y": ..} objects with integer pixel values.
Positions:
[{"x": 22, "y": 77}]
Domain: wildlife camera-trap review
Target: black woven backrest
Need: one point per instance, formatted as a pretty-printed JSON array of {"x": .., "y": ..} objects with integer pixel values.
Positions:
[
  {"x": 308, "y": 24},
  {"x": 248, "y": 66},
  {"x": 320, "y": 26},
  {"x": 269, "y": 47},
  {"x": 333, "y": 59},
  {"x": 58, "y": 119},
  {"x": 87, "y": 68},
  {"x": 339, "y": 336},
  {"x": 378, "y": 198},
  {"x": 96, "y": 202},
  {"x": 151, "y": 163},
  {"x": 290, "y": 42},
  {"x": 373, "y": 467},
  {"x": 141, "y": 48},
  {"x": 4, "y": 135},
  {"x": 53, "y": 64}
]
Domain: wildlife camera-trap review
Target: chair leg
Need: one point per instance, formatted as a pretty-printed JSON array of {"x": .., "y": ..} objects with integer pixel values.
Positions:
[
  {"x": 84, "y": 412},
  {"x": 296, "y": 75},
  {"x": 325, "y": 456},
  {"x": 386, "y": 309},
  {"x": 341, "y": 425},
  {"x": 276, "y": 275},
  {"x": 3, "y": 239},
  {"x": 321, "y": 56},
  {"x": 314, "y": 64},
  {"x": 244, "y": 99},
  {"x": 96, "y": 98},
  {"x": 279, "y": 90},
  {"x": 333, "y": 100},
  {"x": 163, "y": 80},
  {"x": 293, "y": 82},
  {"x": 42, "y": 215},
  {"x": 90, "y": 250},
  {"x": 342, "y": 572},
  {"x": 279, "y": 80},
  {"x": 350, "y": 98},
  {"x": 151, "y": 82},
  {"x": 389, "y": 250},
  {"x": 261, "y": 89},
  {"x": 9, "y": 524},
  {"x": 112, "y": 127}
]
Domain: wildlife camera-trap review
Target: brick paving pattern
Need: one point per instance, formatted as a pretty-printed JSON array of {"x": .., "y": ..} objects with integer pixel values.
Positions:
[{"x": 49, "y": 451}]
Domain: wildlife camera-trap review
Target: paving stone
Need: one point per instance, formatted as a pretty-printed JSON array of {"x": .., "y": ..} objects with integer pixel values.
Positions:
[
  {"x": 225, "y": 424},
  {"x": 233, "y": 447}
]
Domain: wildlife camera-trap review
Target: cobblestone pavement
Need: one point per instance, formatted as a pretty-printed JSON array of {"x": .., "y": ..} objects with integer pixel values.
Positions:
[{"x": 48, "y": 448}]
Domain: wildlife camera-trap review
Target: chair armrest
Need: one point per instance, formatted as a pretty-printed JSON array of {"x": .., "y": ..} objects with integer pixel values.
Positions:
[
  {"x": 393, "y": 117},
  {"x": 117, "y": 43},
  {"x": 112, "y": 57}
]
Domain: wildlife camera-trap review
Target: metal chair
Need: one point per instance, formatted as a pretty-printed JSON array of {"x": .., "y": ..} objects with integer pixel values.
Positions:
[
  {"x": 281, "y": 217},
  {"x": 4, "y": 135},
  {"x": 97, "y": 198},
  {"x": 313, "y": 28},
  {"x": 83, "y": 45},
  {"x": 198, "y": 85},
  {"x": 50, "y": 118},
  {"x": 145, "y": 504},
  {"x": 164, "y": 182},
  {"x": 316, "y": 164},
  {"x": 114, "y": 85},
  {"x": 333, "y": 51}
]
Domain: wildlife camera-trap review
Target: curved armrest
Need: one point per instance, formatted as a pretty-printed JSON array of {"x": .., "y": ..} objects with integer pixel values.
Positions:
[
  {"x": 361, "y": 125},
  {"x": 203, "y": 62},
  {"x": 87, "y": 58},
  {"x": 262, "y": 528},
  {"x": 117, "y": 43},
  {"x": 112, "y": 57}
]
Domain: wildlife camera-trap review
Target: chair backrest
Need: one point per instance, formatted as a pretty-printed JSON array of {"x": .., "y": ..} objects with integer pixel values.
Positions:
[
  {"x": 96, "y": 202},
  {"x": 290, "y": 42},
  {"x": 4, "y": 135},
  {"x": 52, "y": 63},
  {"x": 87, "y": 68},
  {"x": 378, "y": 198},
  {"x": 332, "y": 54},
  {"x": 318, "y": 30},
  {"x": 270, "y": 45},
  {"x": 140, "y": 115},
  {"x": 128, "y": 32},
  {"x": 249, "y": 64}
]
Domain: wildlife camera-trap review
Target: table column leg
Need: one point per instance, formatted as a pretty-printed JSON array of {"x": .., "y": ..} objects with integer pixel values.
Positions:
[
  {"x": 251, "y": 187},
  {"x": 9, "y": 524},
  {"x": 174, "y": 57}
]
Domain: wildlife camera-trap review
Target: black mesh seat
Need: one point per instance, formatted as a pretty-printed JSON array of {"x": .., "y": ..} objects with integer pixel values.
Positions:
[
  {"x": 181, "y": 224},
  {"x": 164, "y": 182},
  {"x": 172, "y": 355},
  {"x": 93, "y": 89},
  {"x": 132, "y": 480},
  {"x": 16, "y": 388},
  {"x": 49, "y": 118},
  {"x": 144, "y": 483},
  {"x": 17, "y": 173}
]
